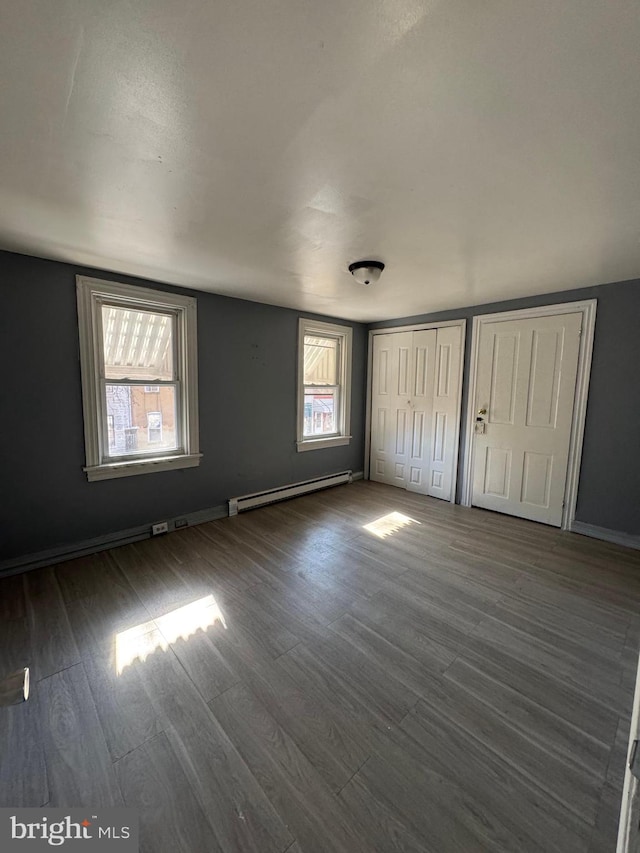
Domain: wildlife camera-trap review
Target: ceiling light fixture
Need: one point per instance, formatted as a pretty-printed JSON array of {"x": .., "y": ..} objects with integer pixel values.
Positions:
[{"x": 366, "y": 272}]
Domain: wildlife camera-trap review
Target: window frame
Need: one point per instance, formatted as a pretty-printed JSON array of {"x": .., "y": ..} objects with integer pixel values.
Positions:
[
  {"x": 91, "y": 295},
  {"x": 344, "y": 334}
]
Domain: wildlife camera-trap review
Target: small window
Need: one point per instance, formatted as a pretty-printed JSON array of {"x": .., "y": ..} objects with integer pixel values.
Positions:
[
  {"x": 139, "y": 382},
  {"x": 154, "y": 427},
  {"x": 111, "y": 432},
  {"x": 324, "y": 380}
]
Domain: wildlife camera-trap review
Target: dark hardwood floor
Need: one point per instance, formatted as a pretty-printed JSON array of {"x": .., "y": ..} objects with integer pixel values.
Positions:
[{"x": 291, "y": 680}]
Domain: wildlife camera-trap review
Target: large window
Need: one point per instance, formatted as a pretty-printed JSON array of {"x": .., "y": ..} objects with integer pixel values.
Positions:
[
  {"x": 324, "y": 380},
  {"x": 139, "y": 379}
]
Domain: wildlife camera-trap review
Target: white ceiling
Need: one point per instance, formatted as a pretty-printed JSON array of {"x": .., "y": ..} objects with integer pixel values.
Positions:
[{"x": 483, "y": 150}]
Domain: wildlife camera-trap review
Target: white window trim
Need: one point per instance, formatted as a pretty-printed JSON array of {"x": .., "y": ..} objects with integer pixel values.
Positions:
[
  {"x": 89, "y": 291},
  {"x": 345, "y": 333}
]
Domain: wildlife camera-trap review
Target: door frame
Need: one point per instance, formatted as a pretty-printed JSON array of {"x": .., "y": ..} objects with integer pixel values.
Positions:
[
  {"x": 587, "y": 308},
  {"x": 628, "y": 832},
  {"x": 416, "y": 327}
]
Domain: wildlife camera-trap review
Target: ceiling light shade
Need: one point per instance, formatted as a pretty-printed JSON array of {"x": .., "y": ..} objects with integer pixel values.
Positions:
[{"x": 366, "y": 272}]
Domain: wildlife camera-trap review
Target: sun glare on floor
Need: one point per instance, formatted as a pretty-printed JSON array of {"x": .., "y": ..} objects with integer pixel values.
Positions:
[
  {"x": 388, "y": 524},
  {"x": 142, "y": 640}
]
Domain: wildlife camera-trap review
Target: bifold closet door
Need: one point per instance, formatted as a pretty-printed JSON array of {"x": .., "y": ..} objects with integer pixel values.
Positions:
[
  {"x": 420, "y": 414},
  {"x": 444, "y": 422},
  {"x": 414, "y": 403},
  {"x": 402, "y": 400},
  {"x": 390, "y": 407}
]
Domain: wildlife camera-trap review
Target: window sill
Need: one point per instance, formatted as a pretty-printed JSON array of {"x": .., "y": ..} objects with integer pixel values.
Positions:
[
  {"x": 320, "y": 443},
  {"x": 141, "y": 466}
]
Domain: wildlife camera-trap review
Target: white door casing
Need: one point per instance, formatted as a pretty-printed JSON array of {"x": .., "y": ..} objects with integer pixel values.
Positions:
[
  {"x": 415, "y": 393},
  {"x": 524, "y": 403},
  {"x": 629, "y": 824}
]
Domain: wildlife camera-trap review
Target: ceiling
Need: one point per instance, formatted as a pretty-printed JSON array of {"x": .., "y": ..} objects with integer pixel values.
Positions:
[{"x": 482, "y": 150}]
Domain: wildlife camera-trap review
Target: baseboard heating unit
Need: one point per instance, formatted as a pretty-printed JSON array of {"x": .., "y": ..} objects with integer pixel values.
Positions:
[{"x": 281, "y": 493}]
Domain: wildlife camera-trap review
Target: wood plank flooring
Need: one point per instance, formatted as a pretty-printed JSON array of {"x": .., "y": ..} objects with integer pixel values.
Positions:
[{"x": 288, "y": 680}]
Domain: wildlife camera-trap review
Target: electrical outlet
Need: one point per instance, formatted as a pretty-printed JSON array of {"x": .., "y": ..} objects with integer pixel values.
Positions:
[
  {"x": 160, "y": 527},
  {"x": 180, "y": 522}
]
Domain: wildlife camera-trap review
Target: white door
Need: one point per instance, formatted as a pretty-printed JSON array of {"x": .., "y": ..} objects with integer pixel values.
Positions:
[
  {"x": 414, "y": 406},
  {"x": 391, "y": 407},
  {"x": 420, "y": 404},
  {"x": 446, "y": 414},
  {"x": 525, "y": 389}
]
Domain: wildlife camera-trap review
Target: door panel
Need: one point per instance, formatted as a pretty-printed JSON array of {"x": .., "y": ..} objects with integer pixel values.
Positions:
[
  {"x": 390, "y": 408},
  {"x": 536, "y": 479},
  {"x": 423, "y": 347},
  {"x": 497, "y": 472},
  {"x": 444, "y": 450},
  {"x": 421, "y": 367},
  {"x": 383, "y": 371},
  {"x": 403, "y": 370},
  {"x": 526, "y": 383},
  {"x": 542, "y": 397},
  {"x": 505, "y": 355}
]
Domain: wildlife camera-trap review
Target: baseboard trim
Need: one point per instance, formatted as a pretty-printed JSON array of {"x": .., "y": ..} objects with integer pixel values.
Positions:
[
  {"x": 242, "y": 503},
  {"x": 37, "y": 560},
  {"x": 102, "y": 543},
  {"x": 617, "y": 537}
]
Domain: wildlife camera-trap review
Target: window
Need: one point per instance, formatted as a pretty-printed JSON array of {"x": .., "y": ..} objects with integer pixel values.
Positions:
[
  {"x": 111, "y": 431},
  {"x": 154, "y": 426},
  {"x": 324, "y": 380},
  {"x": 139, "y": 379}
]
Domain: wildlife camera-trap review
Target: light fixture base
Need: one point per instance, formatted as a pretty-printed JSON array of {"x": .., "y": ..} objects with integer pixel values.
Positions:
[{"x": 366, "y": 272}]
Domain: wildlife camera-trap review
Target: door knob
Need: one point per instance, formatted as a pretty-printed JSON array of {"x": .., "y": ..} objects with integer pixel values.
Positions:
[{"x": 482, "y": 411}]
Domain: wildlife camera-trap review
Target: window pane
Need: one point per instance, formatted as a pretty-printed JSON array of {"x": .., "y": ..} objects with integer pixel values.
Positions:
[
  {"x": 137, "y": 344},
  {"x": 320, "y": 411},
  {"x": 140, "y": 421},
  {"x": 320, "y": 360}
]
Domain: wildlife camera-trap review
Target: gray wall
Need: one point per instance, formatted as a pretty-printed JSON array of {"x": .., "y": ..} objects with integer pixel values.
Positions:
[
  {"x": 609, "y": 489},
  {"x": 247, "y": 364},
  {"x": 247, "y": 391}
]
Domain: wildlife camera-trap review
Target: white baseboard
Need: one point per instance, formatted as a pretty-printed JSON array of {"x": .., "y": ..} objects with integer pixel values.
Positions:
[
  {"x": 102, "y": 543},
  {"x": 357, "y": 475},
  {"x": 629, "y": 540}
]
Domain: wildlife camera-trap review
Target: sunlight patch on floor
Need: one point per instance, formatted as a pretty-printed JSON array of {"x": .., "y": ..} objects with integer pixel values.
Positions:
[
  {"x": 388, "y": 524},
  {"x": 142, "y": 640}
]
